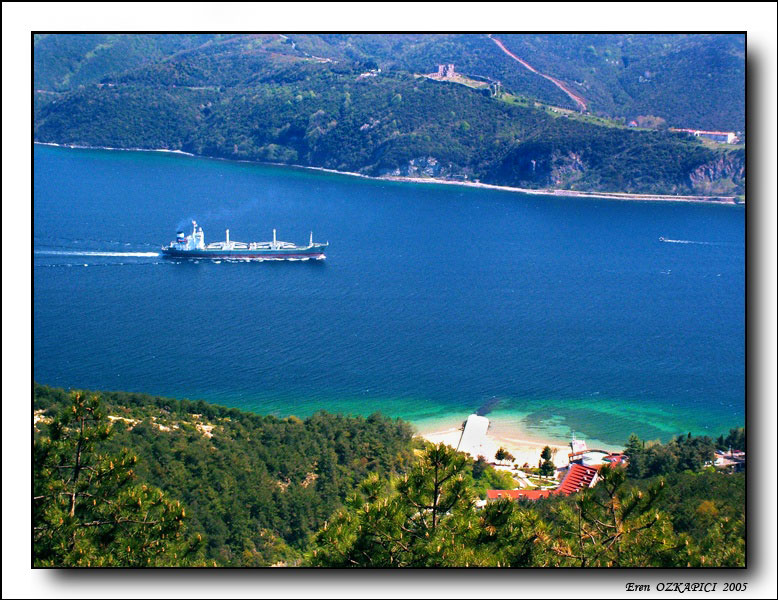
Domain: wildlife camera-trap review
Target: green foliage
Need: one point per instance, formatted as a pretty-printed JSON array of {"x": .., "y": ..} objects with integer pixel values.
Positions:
[
  {"x": 690, "y": 80},
  {"x": 709, "y": 509},
  {"x": 261, "y": 98},
  {"x": 425, "y": 519},
  {"x": 130, "y": 490},
  {"x": 390, "y": 524},
  {"x": 502, "y": 455},
  {"x": 434, "y": 486},
  {"x": 615, "y": 525},
  {"x": 735, "y": 439},
  {"x": 680, "y": 454},
  {"x": 480, "y": 467},
  {"x": 88, "y": 509},
  {"x": 547, "y": 467},
  {"x": 485, "y": 477},
  {"x": 65, "y": 61},
  {"x": 261, "y": 485},
  {"x": 503, "y": 534}
]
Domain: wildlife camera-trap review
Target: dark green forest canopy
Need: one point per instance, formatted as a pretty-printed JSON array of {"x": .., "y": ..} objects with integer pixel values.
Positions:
[
  {"x": 427, "y": 518},
  {"x": 359, "y": 103},
  {"x": 260, "y": 485}
]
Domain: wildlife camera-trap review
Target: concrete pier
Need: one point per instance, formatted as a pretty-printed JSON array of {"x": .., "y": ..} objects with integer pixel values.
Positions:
[{"x": 473, "y": 440}]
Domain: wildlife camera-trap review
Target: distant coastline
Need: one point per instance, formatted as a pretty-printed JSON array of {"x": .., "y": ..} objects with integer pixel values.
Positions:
[
  {"x": 578, "y": 194},
  {"x": 624, "y": 196},
  {"x": 83, "y": 147}
]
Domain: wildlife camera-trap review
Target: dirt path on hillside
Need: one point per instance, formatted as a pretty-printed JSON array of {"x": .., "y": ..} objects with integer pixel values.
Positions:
[{"x": 573, "y": 96}]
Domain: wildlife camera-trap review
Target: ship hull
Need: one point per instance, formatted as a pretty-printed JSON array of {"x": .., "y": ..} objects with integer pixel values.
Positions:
[
  {"x": 280, "y": 254},
  {"x": 193, "y": 247}
]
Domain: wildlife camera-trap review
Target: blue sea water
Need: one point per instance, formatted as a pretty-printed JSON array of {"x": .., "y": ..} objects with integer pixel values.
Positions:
[{"x": 563, "y": 314}]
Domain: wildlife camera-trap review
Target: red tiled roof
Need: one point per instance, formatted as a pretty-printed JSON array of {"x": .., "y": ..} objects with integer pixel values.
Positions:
[
  {"x": 516, "y": 494},
  {"x": 495, "y": 494},
  {"x": 535, "y": 494},
  {"x": 577, "y": 478}
]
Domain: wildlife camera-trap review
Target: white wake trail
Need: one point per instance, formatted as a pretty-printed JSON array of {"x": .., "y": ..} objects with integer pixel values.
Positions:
[
  {"x": 668, "y": 241},
  {"x": 91, "y": 253}
]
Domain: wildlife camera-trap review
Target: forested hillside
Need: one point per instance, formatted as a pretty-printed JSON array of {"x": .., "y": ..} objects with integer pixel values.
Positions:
[
  {"x": 361, "y": 103},
  {"x": 427, "y": 518},
  {"x": 690, "y": 80},
  {"x": 63, "y": 62},
  {"x": 254, "y": 487},
  {"x": 133, "y": 480}
]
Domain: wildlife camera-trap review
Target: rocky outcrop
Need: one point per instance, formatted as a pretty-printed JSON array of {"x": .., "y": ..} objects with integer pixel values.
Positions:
[
  {"x": 566, "y": 169},
  {"x": 427, "y": 166},
  {"x": 725, "y": 174}
]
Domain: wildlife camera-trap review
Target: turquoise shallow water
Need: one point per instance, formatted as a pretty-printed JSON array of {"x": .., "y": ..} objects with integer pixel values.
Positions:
[{"x": 557, "y": 314}]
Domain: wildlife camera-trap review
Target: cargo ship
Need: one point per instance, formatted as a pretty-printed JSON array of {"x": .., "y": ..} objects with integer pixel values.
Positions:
[{"x": 193, "y": 246}]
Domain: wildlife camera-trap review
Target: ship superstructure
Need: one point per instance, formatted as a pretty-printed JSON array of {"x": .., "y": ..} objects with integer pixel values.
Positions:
[{"x": 193, "y": 246}]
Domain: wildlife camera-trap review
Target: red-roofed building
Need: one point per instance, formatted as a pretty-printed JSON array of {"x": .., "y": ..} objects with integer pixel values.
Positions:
[
  {"x": 492, "y": 495},
  {"x": 535, "y": 494},
  {"x": 578, "y": 477}
]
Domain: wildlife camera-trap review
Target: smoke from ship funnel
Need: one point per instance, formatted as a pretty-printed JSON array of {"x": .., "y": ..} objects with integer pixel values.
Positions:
[{"x": 184, "y": 224}]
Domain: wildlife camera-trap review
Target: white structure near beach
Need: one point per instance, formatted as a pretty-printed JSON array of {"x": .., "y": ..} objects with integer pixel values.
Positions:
[{"x": 473, "y": 440}]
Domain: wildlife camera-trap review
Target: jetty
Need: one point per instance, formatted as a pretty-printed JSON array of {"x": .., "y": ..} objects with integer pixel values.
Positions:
[{"x": 473, "y": 439}]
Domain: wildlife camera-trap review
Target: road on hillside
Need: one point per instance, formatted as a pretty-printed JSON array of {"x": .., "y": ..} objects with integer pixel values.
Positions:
[{"x": 575, "y": 97}]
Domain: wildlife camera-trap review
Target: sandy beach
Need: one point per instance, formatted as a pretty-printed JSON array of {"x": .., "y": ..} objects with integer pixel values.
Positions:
[{"x": 525, "y": 451}]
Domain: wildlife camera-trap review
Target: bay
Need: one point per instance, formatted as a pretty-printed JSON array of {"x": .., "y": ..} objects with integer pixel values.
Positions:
[{"x": 555, "y": 314}]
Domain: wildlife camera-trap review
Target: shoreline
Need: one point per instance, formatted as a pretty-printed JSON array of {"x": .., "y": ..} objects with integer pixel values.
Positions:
[
  {"x": 524, "y": 447},
  {"x": 726, "y": 200},
  {"x": 525, "y": 452},
  {"x": 623, "y": 196},
  {"x": 80, "y": 147}
]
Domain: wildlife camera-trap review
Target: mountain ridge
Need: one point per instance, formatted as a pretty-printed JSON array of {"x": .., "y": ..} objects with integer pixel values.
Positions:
[{"x": 327, "y": 101}]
